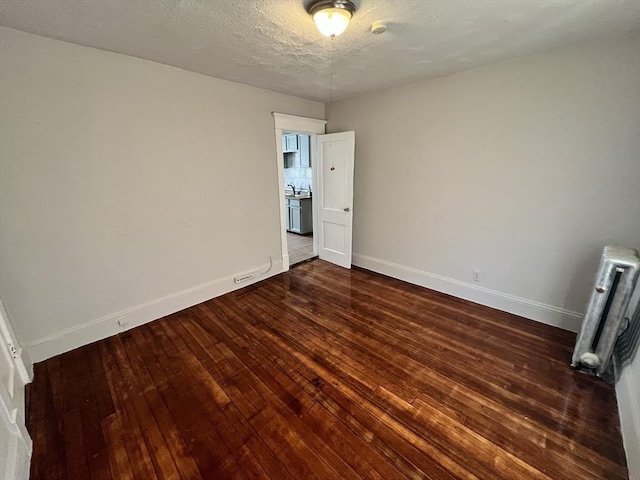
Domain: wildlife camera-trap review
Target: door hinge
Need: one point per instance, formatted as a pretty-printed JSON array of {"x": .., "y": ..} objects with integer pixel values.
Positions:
[{"x": 13, "y": 350}]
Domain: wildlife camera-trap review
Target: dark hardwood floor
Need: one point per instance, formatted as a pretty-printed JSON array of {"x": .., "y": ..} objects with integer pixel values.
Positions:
[{"x": 326, "y": 373}]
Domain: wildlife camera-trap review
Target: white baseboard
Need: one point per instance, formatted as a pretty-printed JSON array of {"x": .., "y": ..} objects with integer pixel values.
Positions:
[
  {"x": 123, "y": 320},
  {"x": 556, "y": 316}
]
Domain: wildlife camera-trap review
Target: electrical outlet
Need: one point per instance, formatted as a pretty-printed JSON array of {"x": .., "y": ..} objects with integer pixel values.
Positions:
[
  {"x": 246, "y": 277},
  {"x": 476, "y": 275}
]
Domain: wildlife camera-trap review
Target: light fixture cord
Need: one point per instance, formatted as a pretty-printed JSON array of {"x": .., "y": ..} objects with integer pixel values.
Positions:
[{"x": 330, "y": 75}]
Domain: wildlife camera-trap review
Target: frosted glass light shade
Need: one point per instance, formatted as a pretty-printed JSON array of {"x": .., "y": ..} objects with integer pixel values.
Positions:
[{"x": 332, "y": 21}]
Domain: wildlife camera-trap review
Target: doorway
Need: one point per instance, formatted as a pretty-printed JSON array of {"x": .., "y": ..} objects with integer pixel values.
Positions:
[
  {"x": 300, "y": 248},
  {"x": 291, "y": 124},
  {"x": 332, "y": 162},
  {"x": 298, "y": 189}
]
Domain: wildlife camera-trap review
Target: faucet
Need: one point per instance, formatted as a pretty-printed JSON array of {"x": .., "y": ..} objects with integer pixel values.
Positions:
[{"x": 293, "y": 187}]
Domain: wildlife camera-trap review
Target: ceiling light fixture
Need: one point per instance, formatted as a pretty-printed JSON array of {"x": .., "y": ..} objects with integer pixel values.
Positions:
[{"x": 332, "y": 16}]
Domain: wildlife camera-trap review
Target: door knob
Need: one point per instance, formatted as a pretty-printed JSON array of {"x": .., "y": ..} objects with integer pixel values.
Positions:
[{"x": 347, "y": 209}]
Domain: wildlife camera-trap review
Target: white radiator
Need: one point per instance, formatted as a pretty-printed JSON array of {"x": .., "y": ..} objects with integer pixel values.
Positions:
[{"x": 614, "y": 283}]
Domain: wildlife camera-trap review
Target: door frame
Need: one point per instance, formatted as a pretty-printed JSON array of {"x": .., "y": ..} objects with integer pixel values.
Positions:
[
  {"x": 309, "y": 126},
  {"x": 17, "y": 456}
]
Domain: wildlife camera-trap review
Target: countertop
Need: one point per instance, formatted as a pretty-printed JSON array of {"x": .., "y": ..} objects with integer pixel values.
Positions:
[{"x": 297, "y": 196}]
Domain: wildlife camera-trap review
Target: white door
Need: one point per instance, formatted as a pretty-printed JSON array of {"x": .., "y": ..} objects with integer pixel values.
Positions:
[
  {"x": 15, "y": 444},
  {"x": 334, "y": 166}
]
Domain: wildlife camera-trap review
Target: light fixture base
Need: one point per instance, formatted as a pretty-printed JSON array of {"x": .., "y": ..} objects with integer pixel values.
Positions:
[
  {"x": 332, "y": 16},
  {"x": 325, "y": 4}
]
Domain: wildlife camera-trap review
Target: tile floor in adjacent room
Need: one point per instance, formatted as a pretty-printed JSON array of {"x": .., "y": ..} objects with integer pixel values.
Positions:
[{"x": 300, "y": 247}]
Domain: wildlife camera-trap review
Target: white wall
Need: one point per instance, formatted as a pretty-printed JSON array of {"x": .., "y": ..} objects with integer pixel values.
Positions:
[
  {"x": 128, "y": 189},
  {"x": 523, "y": 170}
]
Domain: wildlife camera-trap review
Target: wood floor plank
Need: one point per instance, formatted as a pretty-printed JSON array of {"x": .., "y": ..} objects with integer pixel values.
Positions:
[
  {"x": 196, "y": 421},
  {"x": 121, "y": 392},
  {"x": 184, "y": 464},
  {"x": 320, "y": 457},
  {"x": 46, "y": 430},
  {"x": 228, "y": 433},
  {"x": 373, "y": 417},
  {"x": 77, "y": 465},
  {"x": 310, "y": 379},
  {"x": 119, "y": 460},
  {"x": 325, "y": 373}
]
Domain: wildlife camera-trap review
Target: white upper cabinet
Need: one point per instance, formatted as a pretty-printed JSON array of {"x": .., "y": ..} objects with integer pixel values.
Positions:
[{"x": 289, "y": 143}]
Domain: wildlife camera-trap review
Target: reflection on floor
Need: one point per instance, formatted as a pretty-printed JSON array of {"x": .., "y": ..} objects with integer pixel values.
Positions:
[{"x": 300, "y": 247}]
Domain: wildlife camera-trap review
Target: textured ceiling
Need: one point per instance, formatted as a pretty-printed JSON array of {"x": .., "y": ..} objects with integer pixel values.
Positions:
[{"x": 274, "y": 44}]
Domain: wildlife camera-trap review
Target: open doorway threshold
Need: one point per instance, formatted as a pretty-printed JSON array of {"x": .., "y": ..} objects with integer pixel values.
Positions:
[{"x": 300, "y": 248}]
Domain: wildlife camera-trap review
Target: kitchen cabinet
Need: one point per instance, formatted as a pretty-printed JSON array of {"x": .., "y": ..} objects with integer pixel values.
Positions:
[
  {"x": 303, "y": 148},
  {"x": 289, "y": 143},
  {"x": 299, "y": 216},
  {"x": 294, "y": 221},
  {"x": 289, "y": 160}
]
